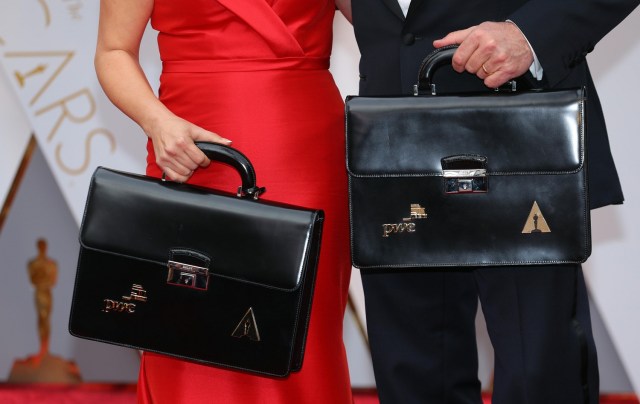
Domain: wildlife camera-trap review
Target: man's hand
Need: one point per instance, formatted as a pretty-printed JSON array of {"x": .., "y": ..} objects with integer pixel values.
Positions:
[{"x": 496, "y": 52}]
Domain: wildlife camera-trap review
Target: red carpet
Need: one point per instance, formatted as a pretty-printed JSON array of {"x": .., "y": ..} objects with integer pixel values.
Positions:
[
  {"x": 126, "y": 394},
  {"x": 370, "y": 397}
]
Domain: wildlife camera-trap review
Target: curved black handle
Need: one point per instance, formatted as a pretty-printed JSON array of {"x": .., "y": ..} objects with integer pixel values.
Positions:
[
  {"x": 237, "y": 160},
  {"x": 431, "y": 63},
  {"x": 435, "y": 60}
]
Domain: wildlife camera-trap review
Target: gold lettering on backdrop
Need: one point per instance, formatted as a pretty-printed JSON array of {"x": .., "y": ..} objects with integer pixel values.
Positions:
[
  {"x": 66, "y": 113},
  {"x": 47, "y": 13},
  {"x": 74, "y": 7},
  {"x": 68, "y": 55},
  {"x": 23, "y": 77},
  {"x": 77, "y": 108},
  {"x": 87, "y": 144}
]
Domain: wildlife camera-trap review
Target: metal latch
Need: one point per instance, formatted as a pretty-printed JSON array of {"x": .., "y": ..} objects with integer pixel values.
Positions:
[
  {"x": 465, "y": 174},
  {"x": 187, "y": 275}
]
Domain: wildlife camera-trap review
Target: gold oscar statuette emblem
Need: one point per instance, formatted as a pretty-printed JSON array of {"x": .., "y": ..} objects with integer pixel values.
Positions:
[
  {"x": 43, "y": 367},
  {"x": 536, "y": 223},
  {"x": 247, "y": 327}
]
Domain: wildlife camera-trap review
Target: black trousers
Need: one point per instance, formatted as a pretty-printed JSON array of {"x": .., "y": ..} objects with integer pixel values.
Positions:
[{"x": 421, "y": 326}]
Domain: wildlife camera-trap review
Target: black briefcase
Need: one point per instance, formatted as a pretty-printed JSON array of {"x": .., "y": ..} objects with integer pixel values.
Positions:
[
  {"x": 482, "y": 179},
  {"x": 206, "y": 276}
]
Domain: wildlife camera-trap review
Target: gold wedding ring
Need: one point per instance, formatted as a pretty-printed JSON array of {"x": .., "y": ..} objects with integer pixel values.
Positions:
[{"x": 484, "y": 69}]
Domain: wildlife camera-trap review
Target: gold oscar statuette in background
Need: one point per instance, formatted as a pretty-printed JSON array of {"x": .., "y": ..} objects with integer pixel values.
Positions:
[{"x": 43, "y": 367}]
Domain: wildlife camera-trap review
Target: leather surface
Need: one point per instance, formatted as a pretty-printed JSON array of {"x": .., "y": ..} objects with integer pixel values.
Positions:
[
  {"x": 534, "y": 148},
  {"x": 260, "y": 255},
  {"x": 146, "y": 218},
  {"x": 536, "y": 132}
]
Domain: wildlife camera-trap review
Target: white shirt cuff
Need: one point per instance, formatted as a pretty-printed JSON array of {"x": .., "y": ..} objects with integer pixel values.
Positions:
[{"x": 535, "y": 68}]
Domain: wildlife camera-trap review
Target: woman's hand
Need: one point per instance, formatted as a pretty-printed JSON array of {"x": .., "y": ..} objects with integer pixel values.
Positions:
[
  {"x": 122, "y": 24},
  {"x": 173, "y": 142}
]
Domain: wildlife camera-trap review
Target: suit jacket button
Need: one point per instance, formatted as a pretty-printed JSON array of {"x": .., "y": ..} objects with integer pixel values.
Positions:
[{"x": 408, "y": 39}]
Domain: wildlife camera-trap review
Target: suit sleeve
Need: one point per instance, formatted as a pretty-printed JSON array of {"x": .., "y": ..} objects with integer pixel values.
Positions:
[{"x": 563, "y": 32}]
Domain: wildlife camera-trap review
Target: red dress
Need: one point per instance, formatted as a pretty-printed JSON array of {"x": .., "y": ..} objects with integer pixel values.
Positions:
[{"x": 255, "y": 72}]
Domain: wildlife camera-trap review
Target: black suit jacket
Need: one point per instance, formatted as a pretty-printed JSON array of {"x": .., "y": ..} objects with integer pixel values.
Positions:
[{"x": 561, "y": 32}]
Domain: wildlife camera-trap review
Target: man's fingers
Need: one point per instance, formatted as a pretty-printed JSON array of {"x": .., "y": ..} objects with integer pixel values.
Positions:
[
  {"x": 494, "y": 51},
  {"x": 496, "y": 79},
  {"x": 464, "y": 51},
  {"x": 452, "y": 38},
  {"x": 465, "y": 57},
  {"x": 479, "y": 49}
]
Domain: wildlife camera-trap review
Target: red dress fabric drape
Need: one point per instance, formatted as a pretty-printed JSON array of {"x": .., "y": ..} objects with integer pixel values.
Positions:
[{"x": 255, "y": 72}]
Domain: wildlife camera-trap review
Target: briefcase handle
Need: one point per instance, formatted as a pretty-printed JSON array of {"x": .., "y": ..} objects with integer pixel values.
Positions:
[
  {"x": 436, "y": 59},
  {"x": 234, "y": 158}
]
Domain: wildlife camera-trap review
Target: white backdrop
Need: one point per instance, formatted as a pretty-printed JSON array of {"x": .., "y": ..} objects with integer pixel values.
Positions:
[
  {"x": 14, "y": 134},
  {"x": 47, "y": 53},
  {"x": 612, "y": 271},
  {"x": 46, "y": 50}
]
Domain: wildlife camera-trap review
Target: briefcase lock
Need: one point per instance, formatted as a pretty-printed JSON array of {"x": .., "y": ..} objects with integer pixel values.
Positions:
[
  {"x": 465, "y": 174},
  {"x": 186, "y": 275}
]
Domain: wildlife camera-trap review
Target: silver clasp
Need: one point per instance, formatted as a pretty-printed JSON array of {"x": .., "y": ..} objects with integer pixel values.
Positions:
[
  {"x": 465, "y": 181},
  {"x": 187, "y": 275}
]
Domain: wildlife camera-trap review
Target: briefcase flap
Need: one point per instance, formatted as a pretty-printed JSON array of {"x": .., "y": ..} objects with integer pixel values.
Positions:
[
  {"x": 392, "y": 136},
  {"x": 146, "y": 218}
]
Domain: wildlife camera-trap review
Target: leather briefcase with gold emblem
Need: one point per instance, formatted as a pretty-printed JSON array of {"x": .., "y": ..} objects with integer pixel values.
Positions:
[
  {"x": 202, "y": 275},
  {"x": 483, "y": 179}
]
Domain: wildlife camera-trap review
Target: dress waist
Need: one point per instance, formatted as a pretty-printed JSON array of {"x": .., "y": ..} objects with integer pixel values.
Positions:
[{"x": 244, "y": 65}]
